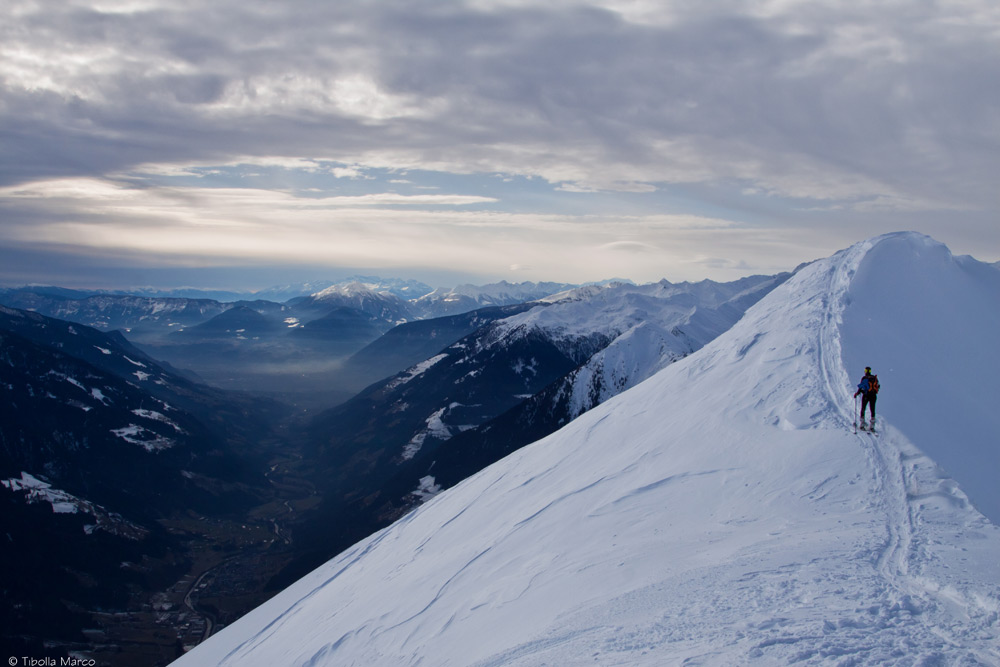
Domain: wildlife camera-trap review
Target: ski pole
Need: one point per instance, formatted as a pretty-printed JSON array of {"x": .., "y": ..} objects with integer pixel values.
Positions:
[{"x": 855, "y": 413}]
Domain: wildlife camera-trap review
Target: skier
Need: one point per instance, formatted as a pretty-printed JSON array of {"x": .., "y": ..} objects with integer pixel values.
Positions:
[{"x": 868, "y": 388}]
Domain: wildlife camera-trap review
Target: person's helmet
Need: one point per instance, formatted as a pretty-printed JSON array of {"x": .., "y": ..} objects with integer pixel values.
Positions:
[{"x": 868, "y": 370}]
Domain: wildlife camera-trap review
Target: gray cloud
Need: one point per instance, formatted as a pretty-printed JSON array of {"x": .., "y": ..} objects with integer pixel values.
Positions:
[
  {"x": 860, "y": 116},
  {"x": 872, "y": 101}
]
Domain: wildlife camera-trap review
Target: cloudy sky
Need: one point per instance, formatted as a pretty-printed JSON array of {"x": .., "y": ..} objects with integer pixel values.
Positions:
[{"x": 240, "y": 143}]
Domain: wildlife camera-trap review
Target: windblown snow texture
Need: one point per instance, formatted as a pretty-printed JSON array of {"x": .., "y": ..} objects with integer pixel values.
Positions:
[{"x": 722, "y": 512}]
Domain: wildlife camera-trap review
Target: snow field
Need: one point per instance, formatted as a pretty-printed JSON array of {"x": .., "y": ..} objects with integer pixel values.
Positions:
[{"x": 720, "y": 513}]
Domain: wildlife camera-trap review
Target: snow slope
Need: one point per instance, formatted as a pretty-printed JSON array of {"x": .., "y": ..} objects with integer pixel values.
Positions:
[{"x": 722, "y": 512}]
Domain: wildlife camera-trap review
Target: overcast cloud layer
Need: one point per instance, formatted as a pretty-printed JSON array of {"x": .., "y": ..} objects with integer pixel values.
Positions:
[{"x": 492, "y": 138}]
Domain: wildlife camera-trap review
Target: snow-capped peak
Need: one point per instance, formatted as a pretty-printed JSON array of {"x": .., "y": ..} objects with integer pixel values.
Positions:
[
  {"x": 722, "y": 512},
  {"x": 579, "y": 293},
  {"x": 352, "y": 289},
  {"x": 404, "y": 289}
]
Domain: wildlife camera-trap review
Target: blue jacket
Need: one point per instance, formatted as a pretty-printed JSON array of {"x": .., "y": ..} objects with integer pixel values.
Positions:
[{"x": 864, "y": 386}]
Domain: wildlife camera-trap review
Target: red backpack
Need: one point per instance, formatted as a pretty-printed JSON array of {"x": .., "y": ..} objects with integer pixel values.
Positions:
[{"x": 873, "y": 384}]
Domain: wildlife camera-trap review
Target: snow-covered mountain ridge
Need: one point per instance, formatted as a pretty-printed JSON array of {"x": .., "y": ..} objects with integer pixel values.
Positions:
[
  {"x": 464, "y": 298},
  {"x": 722, "y": 512},
  {"x": 643, "y": 329}
]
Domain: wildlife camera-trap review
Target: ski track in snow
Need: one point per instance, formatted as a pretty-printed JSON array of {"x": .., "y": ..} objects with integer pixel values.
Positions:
[
  {"x": 896, "y": 466},
  {"x": 894, "y": 463}
]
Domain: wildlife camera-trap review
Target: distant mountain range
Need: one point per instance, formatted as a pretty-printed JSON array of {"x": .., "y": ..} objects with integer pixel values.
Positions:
[
  {"x": 150, "y": 313},
  {"x": 292, "y": 349},
  {"x": 404, "y": 289}
]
